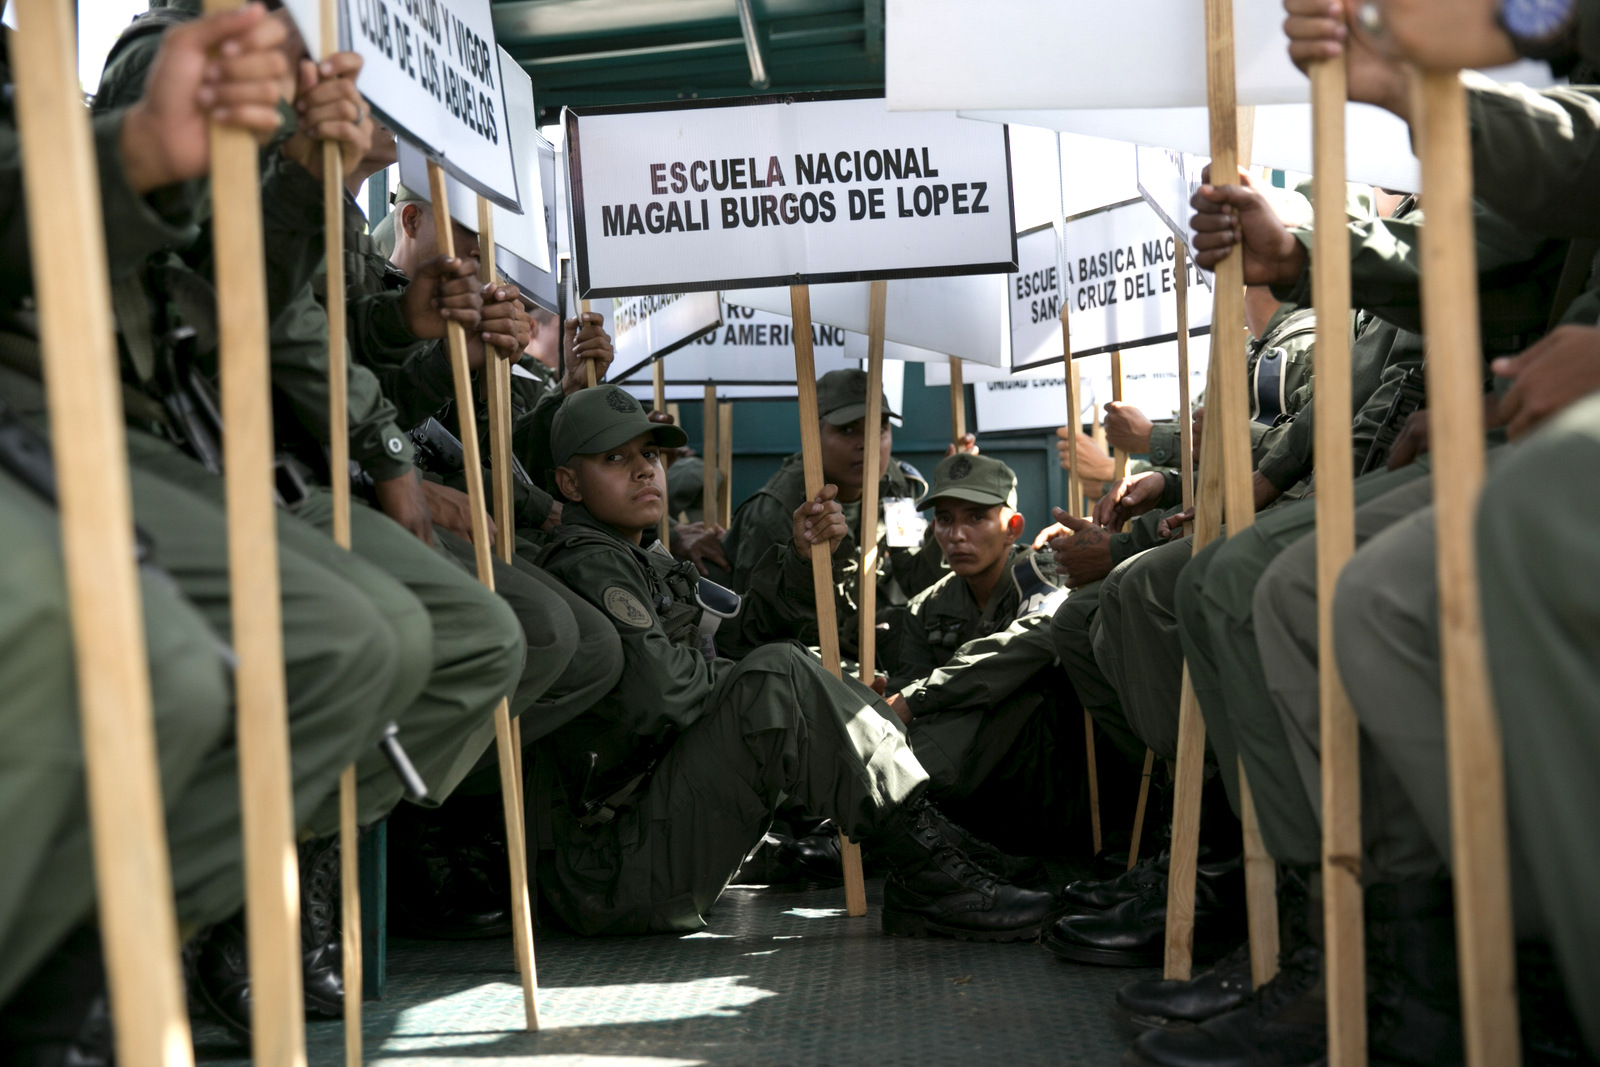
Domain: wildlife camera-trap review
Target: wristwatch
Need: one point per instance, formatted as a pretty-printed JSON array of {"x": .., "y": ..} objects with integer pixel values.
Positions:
[{"x": 1540, "y": 29}]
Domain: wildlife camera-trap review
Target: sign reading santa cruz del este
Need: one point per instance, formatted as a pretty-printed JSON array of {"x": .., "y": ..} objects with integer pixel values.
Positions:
[{"x": 783, "y": 191}]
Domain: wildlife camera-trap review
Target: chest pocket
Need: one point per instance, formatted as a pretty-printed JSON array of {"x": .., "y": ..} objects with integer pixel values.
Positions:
[{"x": 946, "y": 633}]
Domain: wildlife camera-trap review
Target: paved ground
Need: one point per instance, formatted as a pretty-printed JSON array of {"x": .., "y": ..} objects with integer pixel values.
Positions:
[{"x": 780, "y": 979}]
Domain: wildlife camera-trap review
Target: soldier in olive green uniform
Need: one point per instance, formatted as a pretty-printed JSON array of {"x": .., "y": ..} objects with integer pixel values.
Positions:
[
  {"x": 337, "y": 639},
  {"x": 976, "y": 673},
  {"x": 416, "y": 371},
  {"x": 780, "y": 598},
  {"x": 1218, "y": 600},
  {"x": 645, "y": 805}
]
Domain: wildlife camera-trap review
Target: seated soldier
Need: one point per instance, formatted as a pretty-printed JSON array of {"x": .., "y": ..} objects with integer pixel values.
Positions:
[
  {"x": 782, "y": 603},
  {"x": 978, "y": 686},
  {"x": 644, "y": 805}
]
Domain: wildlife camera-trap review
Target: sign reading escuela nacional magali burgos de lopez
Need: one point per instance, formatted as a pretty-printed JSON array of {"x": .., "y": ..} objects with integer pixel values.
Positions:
[{"x": 783, "y": 191}]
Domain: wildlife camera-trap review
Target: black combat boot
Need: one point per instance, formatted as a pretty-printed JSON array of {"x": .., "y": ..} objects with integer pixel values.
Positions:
[
  {"x": 1282, "y": 1024},
  {"x": 222, "y": 976},
  {"x": 1153, "y": 1002},
  {"x": 814, "y": 857},
  {"x": 935, "y": 890},
  {"x": 60, "y": 1016},
  {"x": 1413, "y": 996},
  {"x": 1133, "y": 933},
  {"x": 321, "y": 911},
  {"x": 449, "y": 878},
  {"x": 1089, "y": 894},
  {"x": 1018, "y": 870}
]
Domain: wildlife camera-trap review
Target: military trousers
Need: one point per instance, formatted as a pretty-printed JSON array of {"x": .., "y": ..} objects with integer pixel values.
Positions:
[
  {"x": 1071, "y": 633},
  {"x": 1395, "y": 845},
  {"x": 47, "y": 883},
  {"x": 461, "y": 646},
  {"x": 1135, "y": 643},
  {"x": 1537, "y": 561},
  {"x": 775, "y": 725},
  {"x": 1218, "y": 632}
]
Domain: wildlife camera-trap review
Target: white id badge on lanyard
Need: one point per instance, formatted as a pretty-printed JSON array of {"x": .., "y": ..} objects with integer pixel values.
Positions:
[{"x": 903, "y": 523}]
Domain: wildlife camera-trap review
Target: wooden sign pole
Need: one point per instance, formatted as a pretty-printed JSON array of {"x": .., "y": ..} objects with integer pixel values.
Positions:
[
  {"x": 1120, "y": 464},
  {"x": 658, "y": 375},
  {"x": 333, "y": 195},
  {"x": 805, "y": 373},
  {"x": 1455, "y": 375},
  {"x": 1336, "y": 538},
  {"x": 467, "y": 423},
  {"x": 497, "y": 380},
  {"x": 1230, "y": 132},
  {"x": 270, "y": 864},
  {"x": 867, "y": 596},
  {"x": 708, "y": 455},
  {"x": 958, "y": 403},
  {"x": 588, "y": 363},
  {"x": 1183, "y": 863},
  {"x": 725, "y": 463},
  {"x": 138, "y": 927},
  {"x": 1138, "y": 811}
]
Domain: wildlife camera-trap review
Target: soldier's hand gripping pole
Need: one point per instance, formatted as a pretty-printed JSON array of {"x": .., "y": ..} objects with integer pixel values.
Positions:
[
  {"x": 521, "y": 917},
  {"x": 138, "y": 927},
  {"x": 805, "y": 371},
  {"x": 1472, "y": 733}
]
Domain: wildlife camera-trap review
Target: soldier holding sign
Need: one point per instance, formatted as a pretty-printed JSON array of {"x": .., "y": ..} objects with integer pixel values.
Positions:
[
  {"x": 778, "y": 581},
  {"x": 656, "y": 752}
]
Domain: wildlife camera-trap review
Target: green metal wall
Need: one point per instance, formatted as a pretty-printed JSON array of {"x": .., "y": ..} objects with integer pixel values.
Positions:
[{"x": 766, "y": 431}]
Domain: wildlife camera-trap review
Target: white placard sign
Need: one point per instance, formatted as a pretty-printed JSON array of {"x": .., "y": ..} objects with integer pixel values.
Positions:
[
  {"x": 429, "y": 69},
  {"x": 1121, "y": 286},
  {"x": 643, "y": 328},
  {"x": 1129, "y": 54},
  {"x": 1033, "y": 298},
  {"x": 960, "y": 315},
  {"x": 750, "y": 348},
  {"x": 1037, "y": 399},
  {"x": 307, "y": 15},
  {"x": 782, "y": 191},
  {"x": 1168, "y": 181},
  {"x": 855, "y": 347},
  {"x": 522, "y": 240}
]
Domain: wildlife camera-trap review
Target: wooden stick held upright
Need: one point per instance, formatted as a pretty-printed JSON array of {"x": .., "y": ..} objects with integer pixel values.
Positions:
[
  {"x": 1185, "y": 404},
  {"x": 867, "y": 619},
  {"x": 658, "y": 377},
  {"x": 708, "y": 455},
  {"x": 1138, "y": 811},
  {"x": 725, "y": 463},
  {"x": 270, "y": 864},
  {"x": 138, "y": 927},
  {"x": 1231, "y": 127},
  {"x": 958, "y": 403},
  {"x": 456, "y": 337},
  {"x": 1484, "y": 936},
  {"x": 805, "y": 372},
  {"x": 588, "y": 363},
  {"x": 1341, "y": 773},
  {"x": 1120, "y": 464},
  {"x": 333, "y": 194}
]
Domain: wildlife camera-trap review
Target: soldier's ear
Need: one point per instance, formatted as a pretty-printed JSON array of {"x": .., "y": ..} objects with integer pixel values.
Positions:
[
  {"x": 410, "y": 218},
  {"x": 1015, "y": 524},
  {"x": 567, "y": 482}
]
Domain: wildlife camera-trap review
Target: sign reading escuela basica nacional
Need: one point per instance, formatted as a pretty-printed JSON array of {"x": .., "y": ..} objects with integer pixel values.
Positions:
[{"x": 783, "y": 191}]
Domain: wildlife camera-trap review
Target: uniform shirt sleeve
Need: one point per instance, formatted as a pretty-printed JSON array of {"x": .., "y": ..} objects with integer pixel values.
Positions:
[
  {"x": 915, "y": 656},
  {"x": 661, "y": 683},
  {"x": 300, "y": 375},
  {"x": 1536, "y": 154},
  {"x": 760, "y": 525},
  {"x": 1165, "y": 444}
]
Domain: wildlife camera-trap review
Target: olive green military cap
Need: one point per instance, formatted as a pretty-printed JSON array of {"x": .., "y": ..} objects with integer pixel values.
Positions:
[
  {"x": 842, "y": 397},
  {"x": 598, "y": 419},
  {"x": 980, "y": 479}
]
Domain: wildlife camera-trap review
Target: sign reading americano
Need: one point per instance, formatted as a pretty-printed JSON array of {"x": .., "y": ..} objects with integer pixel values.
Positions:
[{"x": 783, "y": 190}]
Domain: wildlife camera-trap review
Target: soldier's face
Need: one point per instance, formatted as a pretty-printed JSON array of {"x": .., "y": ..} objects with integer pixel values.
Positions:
[
  {"x": 974, "y": 538},
  {"x": 844, "y": 454},
  {"x": 625, "y": 488}
]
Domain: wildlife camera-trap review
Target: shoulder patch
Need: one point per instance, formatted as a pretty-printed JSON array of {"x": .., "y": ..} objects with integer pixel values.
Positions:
[{"x": 625, "y": 607}]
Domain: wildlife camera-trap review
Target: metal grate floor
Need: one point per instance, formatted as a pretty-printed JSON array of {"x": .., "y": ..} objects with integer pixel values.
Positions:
[{"x": 781, "y": 978}]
